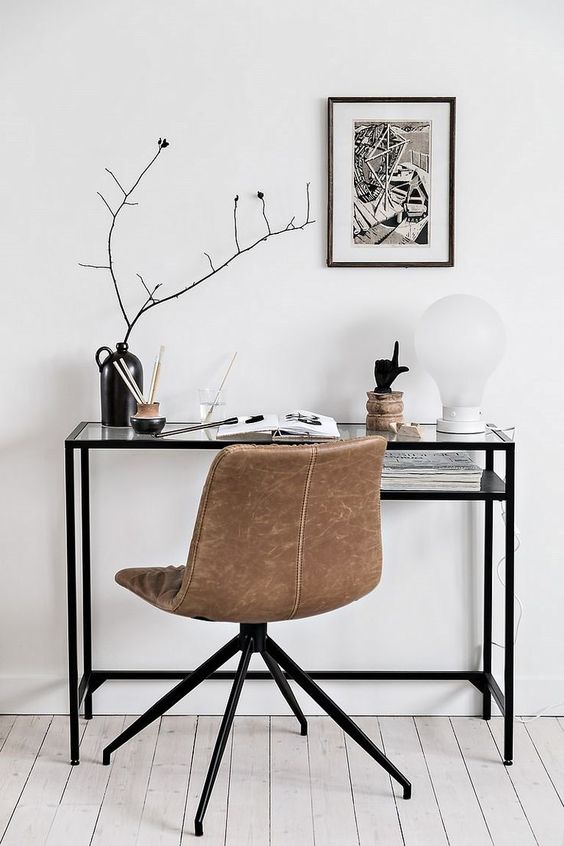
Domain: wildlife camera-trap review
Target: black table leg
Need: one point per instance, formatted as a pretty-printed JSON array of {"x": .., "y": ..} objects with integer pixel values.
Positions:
[
  {"x": 509, "y": 605},
  {"x": 86, "y": 578},
  {"x": 71, "y": 605},
  {"x": 488, "y": 563}
]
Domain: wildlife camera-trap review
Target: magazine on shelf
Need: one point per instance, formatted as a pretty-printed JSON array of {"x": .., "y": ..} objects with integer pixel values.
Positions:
[
  {"x": 294, "y": 425},
  {"x": 430, "y": 469}
]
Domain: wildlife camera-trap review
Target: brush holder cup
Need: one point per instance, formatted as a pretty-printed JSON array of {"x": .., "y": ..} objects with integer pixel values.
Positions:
[
  {"x": 147, "y": 410},
  {"x": 147, "y": 419},
  {"x": 118, "y": 405}
]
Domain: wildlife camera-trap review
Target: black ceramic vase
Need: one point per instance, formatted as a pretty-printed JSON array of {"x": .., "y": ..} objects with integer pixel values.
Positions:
[{"x": 118, "y": 404}]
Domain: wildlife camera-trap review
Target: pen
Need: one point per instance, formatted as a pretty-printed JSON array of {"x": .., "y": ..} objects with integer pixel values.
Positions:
[{"x": 198, "y": 426}]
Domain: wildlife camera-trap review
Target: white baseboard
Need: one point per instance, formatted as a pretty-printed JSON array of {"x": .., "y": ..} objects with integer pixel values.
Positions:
[{"x": 48, "y": 695}]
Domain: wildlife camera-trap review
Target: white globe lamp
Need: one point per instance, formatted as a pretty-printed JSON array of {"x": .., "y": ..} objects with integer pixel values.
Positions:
[{"x": 460, "y": 340}]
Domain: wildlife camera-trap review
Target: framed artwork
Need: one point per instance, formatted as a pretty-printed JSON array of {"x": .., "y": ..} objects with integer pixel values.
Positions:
[{"x": 391, "y": 182}]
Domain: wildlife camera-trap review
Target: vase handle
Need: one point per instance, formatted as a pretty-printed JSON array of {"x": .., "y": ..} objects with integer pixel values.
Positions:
[{"x": 97, "y": 356}]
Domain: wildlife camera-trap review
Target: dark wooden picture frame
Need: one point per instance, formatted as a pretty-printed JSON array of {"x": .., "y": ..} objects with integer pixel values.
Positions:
[{"x": 449, "y": 237}]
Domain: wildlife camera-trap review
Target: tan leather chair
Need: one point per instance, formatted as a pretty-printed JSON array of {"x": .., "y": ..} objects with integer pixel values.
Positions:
[{"x": 282, "y": 532}]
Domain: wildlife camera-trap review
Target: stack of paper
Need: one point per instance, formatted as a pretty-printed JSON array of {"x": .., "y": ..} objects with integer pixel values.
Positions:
[{"x": 424, "y": 469}]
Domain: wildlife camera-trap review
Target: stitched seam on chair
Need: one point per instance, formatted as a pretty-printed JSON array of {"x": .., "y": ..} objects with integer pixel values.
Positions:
[
  {"x": 220, "y": 457},
  {"x": 301, "y": 533}
]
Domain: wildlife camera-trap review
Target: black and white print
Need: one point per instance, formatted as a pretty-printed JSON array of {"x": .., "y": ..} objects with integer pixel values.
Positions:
[{"x": 391, "y": 183}]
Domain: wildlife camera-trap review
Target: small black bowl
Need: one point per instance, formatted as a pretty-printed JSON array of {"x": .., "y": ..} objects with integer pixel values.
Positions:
[{"x": 147, "y": 425}]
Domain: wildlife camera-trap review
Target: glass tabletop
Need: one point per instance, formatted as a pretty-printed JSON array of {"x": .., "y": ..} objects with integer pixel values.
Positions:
[{"x": 95, "y": 435}]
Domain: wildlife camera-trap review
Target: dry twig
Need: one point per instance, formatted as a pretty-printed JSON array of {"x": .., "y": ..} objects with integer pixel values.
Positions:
[{"x": 152, "y": 301}]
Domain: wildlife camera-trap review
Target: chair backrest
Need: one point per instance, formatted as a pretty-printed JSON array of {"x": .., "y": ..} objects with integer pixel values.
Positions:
[{"x": 285, "y": 531}]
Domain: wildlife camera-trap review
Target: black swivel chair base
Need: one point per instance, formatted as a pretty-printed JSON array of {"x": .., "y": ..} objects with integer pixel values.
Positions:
[{"x": 253, "y": 638}]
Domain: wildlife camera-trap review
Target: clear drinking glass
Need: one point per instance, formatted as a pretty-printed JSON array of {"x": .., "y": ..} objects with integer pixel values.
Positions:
[{"x": 212, "y": 404}]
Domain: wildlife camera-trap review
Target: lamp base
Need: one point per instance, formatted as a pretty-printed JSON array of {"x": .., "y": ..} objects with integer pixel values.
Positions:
[
  {"x": 461, "y": 420},
  {"x": 460, "y": 427}
]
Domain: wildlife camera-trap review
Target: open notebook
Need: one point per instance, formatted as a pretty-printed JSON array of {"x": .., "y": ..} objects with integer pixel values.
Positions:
[{"x": 294, "y": 424}]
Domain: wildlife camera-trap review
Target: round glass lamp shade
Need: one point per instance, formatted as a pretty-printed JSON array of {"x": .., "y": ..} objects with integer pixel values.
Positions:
[{"x": 460, "y": 340}]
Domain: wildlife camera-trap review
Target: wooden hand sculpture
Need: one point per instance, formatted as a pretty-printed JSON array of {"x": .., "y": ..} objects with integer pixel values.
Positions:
[{"x": 385, "y": 371}]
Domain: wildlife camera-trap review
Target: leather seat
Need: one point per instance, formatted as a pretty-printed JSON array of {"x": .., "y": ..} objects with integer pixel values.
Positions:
[
  {"x": 156, "y": 585},
  {"x": 282, "y": 532}
]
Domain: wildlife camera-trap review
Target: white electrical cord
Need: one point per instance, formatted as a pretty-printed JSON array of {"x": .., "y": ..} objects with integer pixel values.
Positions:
[
  {"x": 517, "y": 544},
  {"x": 539, "y": 713}
]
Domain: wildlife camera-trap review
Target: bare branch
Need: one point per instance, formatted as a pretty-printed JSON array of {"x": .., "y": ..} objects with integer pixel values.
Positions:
[
  {"x": 143, "y": 283},
  {"x": 162, "y": 143},
  {"x": 260, "y": 195},
  {"x": 110, "y": 209},
  {"x": 148, "y": 305},
  {"x": 143, "y": 172},
  {"x": 152, "y": 301},
  {"x": 114, "y": 177},
  {"x": 150, "y": 293},
  {"x": 235, "y": 201}
]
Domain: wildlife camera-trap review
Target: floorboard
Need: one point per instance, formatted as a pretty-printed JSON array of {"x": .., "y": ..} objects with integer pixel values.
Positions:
[
  {"x": 547, "y": 735},
  {"x": 538, "y": 798},
  {"x": 375, "y": 803},
  {"x": 75, "y": 818},
  {"x": 334, "y": 818},
  {"x": 122, "y": 807},
  {"x": 216, "y": 815},
  {"x": 277, "y": 788},
  {"x": 290, "y": 791},
  {"x": 248, "y": 813},
  {"x": 420, "y": 816},
  {"x": 17, "y": 758},
  {"x": 503, "y": 812},
  {"x": 43, "y": 791},
  {"x": 460, "y": 810},
  {"x": 6, "y": 723},
  {"x": 163, "y": 811}
]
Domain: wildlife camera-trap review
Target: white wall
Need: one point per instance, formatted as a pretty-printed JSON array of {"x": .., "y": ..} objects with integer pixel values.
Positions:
[{"x": 240, "y": 90}]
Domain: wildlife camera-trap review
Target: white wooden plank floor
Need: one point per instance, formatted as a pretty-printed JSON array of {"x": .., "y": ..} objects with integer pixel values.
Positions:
[{"x": 276, "y": 788}]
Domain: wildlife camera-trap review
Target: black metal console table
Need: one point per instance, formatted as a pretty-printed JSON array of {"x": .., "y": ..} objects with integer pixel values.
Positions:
[{"x": 87, "y": 437}]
